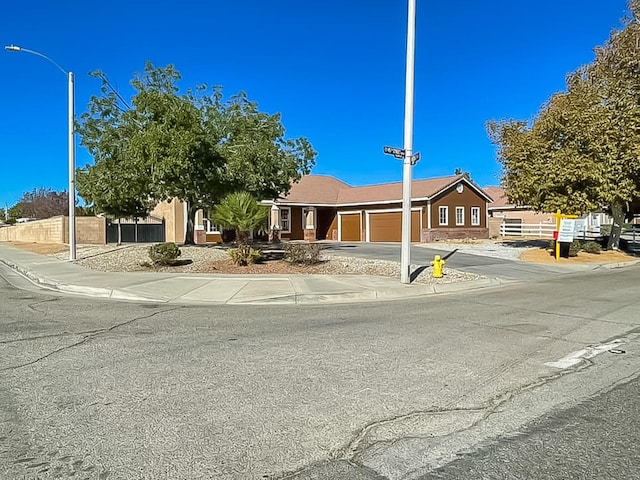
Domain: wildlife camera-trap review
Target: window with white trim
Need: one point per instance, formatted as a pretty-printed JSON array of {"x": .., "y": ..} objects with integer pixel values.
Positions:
[
  {"x": 210, "y": 227},
  {"x": 443, "y": 215},
  {"x": 460, "y": 216},
  {"x": 285, "y": 219},
  {"x": 475, "y": 216}
]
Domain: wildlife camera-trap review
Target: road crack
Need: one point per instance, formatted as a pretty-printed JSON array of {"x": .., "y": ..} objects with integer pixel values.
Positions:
[{"x": 88, "y": 337}]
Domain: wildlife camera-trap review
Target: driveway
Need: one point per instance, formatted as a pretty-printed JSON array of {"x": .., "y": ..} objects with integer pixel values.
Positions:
[{"x": 504, "y": 269}]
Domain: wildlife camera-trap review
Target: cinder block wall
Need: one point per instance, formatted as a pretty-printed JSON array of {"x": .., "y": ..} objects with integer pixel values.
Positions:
[
  {"x": 89, "y": 230},
  {"x": 51, "y": 230}
]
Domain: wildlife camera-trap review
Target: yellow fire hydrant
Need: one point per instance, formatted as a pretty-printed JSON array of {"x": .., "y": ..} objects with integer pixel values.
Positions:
[{"x": 438, "y": 265}]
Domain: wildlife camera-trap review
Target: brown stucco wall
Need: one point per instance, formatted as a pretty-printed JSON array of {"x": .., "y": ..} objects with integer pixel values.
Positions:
[
  {"x": 327, "y": 222},
  {"x": 452, "y": 199},
  {"x": 332, "y": 232},
  {"x": 213, "y": 238},
  {"x": 297, "y": 232}
]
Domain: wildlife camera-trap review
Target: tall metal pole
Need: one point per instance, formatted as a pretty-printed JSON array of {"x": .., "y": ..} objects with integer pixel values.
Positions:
[
  {"x": 71, "y": 146},
  {"x": 72, "y": 172},
  {"x": 405, "y": 255}
]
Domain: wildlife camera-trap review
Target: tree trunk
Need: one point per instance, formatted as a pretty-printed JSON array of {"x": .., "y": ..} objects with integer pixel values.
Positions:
[
  {"x": 243, "y": 237},
  {"x": 191, "y": 220},
  {"x": 617, "y": 212}
]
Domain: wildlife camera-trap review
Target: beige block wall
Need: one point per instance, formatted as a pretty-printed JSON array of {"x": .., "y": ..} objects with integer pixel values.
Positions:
[
  {"x": 89, "y": 230},
  {"x": 51, "y": 230},
  {"x": 173, "y": 214},
  {"x": 527, "y": 216}
]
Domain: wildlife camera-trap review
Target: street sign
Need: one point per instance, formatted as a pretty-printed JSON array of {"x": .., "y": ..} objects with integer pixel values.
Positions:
[
  {"x": 567, "y": 227},
  {"x": 396, "y": 152},
  {"x": 400, "y": 153}
]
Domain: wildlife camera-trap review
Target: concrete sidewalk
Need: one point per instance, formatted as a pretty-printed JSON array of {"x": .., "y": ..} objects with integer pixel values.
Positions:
[
  {"x": 67, "y": 277},
  {"x": 174, "y": 288}
]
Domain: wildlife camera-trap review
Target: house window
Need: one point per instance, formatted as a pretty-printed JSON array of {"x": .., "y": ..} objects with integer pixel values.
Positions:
[
  {"x": 210, "y": 227},
  {"x": 308, "y": 217},
  {"x": 475, "y": 216},
  {"x": 443, "y": 215},
  {"x": 285, "y": 219},
  {"x": 460, "y": 216}
]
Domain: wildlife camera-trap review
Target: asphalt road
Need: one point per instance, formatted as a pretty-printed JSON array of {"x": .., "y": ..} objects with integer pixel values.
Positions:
[
  {"x": 597, "y": 439},
  {"x": 109, "y": 390}
]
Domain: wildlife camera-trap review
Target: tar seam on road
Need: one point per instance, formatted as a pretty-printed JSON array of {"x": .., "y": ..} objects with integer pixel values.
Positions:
[{"x": 88, "y": 337}]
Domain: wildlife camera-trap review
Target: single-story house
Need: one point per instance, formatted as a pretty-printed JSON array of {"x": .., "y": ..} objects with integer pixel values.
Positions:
[{"x": 322, "y": 207}]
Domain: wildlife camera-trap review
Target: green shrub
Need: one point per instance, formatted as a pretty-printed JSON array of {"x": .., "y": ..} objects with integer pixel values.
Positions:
[
  {"x": 164, "y": 253},
  {"x": 302, "y": 253},
  {"x": 591, "y": 247},
  {"x": 244, "y": 255},
  {"x": 574, "y": 248}
]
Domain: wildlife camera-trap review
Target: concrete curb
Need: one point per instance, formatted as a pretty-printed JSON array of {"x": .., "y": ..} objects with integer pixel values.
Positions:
[
  {"x": 409, "y": 291},
  {"x": 611, "y": 266},
  {"x": 94, "y": 292}
]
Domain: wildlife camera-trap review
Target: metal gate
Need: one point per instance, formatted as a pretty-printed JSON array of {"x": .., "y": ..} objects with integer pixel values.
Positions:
[{"x": 136, "y": 232}]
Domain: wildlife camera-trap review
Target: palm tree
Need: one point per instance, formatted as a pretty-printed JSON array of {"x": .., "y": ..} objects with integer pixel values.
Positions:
[{"x": 241, "y": 212}]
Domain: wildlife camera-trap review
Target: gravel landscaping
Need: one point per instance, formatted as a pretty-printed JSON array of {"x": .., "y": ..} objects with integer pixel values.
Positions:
[{"x": 214, "y": 259}]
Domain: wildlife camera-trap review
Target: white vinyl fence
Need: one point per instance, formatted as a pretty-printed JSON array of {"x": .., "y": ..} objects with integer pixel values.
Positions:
[
  {"x": 539, "y": 230},
  {"x": 545, "y": 230}
]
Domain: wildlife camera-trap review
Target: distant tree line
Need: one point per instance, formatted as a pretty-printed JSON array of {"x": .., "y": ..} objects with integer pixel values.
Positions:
[{"x": 41, "y": 203}]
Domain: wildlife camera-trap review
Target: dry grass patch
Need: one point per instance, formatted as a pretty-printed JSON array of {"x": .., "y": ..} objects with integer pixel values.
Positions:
[
  {"x": 41, "y": 248},
  {"x": 546, "y": 255}
]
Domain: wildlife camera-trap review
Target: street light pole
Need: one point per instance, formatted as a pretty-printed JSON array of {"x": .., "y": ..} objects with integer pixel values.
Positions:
[
  {"x": 405, "y": 255},
  {"x": 71, "y": 146}
]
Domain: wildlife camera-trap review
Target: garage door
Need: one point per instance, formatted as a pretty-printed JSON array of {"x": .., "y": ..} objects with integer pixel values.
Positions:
[
  {"x": 387, "y": 227},
  {"x": 349, "y": 227}
]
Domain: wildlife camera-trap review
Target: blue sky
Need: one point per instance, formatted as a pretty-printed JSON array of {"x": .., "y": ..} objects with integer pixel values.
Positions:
[{"x": 335, "y": 69}]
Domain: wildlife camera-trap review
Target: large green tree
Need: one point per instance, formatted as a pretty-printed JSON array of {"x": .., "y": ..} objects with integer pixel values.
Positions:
[
  {"x": 581, "y": 153},
  {"x": 196, "y": 146}
]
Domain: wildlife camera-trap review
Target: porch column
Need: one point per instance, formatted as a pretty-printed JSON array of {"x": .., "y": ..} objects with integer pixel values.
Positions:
[
  {"x": 274, "y": 224},
  {"x": 199, "y": 233},
  {"x": 310, "y": 224}
]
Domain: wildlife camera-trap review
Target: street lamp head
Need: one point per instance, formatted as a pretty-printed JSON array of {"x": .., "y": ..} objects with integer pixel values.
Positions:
[{"x": 12, "y": 48}]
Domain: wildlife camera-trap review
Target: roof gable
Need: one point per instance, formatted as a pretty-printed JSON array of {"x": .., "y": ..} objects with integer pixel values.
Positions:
[{"x": 327, "y": 190}]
